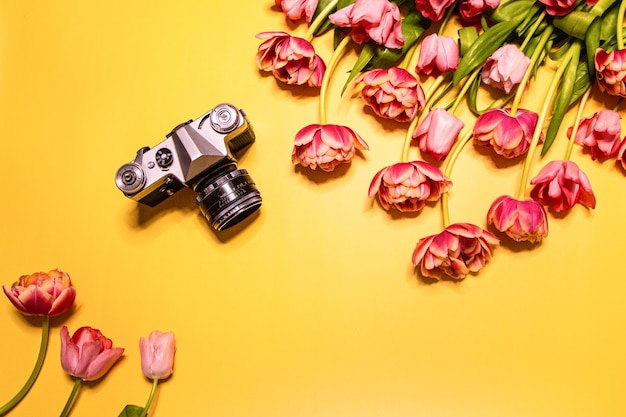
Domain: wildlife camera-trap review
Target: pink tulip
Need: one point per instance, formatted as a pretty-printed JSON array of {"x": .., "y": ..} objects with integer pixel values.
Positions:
[
  {"x": 460, "y": 249},
  {"x": 558, "y": 7},
  {"x": 378, "y": 20},
  {"x": 433, "y": 9},
  {"x": 505, "y": 68},
  {"x": 438, "y": 54},
  {"x": 521, "y": 220},
  {"x": 611, "y": 71},
  {"x": 621, "y": 154},
  {"x": 392, "y": 93},
  {"x": 509, "y": 136},
  {"x": 157, "y": 354},
  {"x": 87, "y": 355},
  {"x": 296, "y": 9},
  {"x": 407, "y": 186},
  {"x": 437, "y": 133},
  {"x": 290, "y": 59},
  {"x": 42, "y": 294},
  {"x": 561, "y": 184},
  {"x": 473, "y": 9},
  {"x": 326, "y": 146},
  {"x": 600, "y": 132}
]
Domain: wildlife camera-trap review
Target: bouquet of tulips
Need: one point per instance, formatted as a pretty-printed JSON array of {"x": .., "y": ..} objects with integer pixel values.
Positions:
[
  {"x": 87, "y": 355},
  {"x": 409, "y": 71}
]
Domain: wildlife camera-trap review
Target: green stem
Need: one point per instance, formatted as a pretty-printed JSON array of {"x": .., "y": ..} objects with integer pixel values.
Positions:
[
  {"x": 463, "y": 91},
  {"x": 45, "y": 332},
  {"x": 579, "y": 115},
  {"x": 70, "y": 400},
  {"x": 620, "y": 24},
  {"x": 545, "y": 36},
  {"x": 542, "y": 117},
  {"x": 319, "y": 20},
  {"x": 445, "y": 20},
  {"x": 452, "y": 157},
  {"x": 533, "y": 29},
  {"x": 144, "y": 412},
  {"x": 327, "y": 74}
]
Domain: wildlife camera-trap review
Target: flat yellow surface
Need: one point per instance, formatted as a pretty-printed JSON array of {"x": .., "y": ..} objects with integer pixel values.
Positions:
[{"x": 311, "y": 308}]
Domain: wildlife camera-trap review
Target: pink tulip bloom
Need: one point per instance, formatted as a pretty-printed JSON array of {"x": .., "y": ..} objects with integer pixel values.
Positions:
[
  {"x": 600, "y": 132},
  {"x": 509, "y": 136},
  {"x": 296, "y": 9},
  {"x": 561, "y": 184},
  {"x": 407, "y": 186},
  {"x": 621, "y": 154},
  {"x": 378, "y": 20},
  {"x": 290, "y": 59},
  {"x": 157, "y": 354},
  {"x": 87, "y": 355},
  {"x": 433, "y": 9},
  {"x": 437, "y": 133},
  {"x": 559, "y": 7},
  {"x": 521, "y": 220},
  {"x": 505, "y": 68},
  {"x": 438, "y": 54},
  {"x": 42, "y": 294},
  {"x": 392, "y": 93},
  {"x": 473, "y": 9},
  {"x": 326, "y": 146},
  {"x": 460, "y": 249},
  {"x": 611, "y": 71}
]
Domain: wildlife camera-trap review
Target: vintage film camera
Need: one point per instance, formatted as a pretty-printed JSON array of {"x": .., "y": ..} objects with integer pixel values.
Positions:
[{"x": 199, "y": 154}]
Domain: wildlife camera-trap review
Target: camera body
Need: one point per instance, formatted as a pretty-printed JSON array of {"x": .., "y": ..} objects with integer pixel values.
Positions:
[{"x": 199, "y": 154}]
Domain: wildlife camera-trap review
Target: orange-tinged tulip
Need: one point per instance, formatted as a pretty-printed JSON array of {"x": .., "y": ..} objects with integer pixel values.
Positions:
[
  {"x": 521, "y": 220},
  {"x": 611, "y": 71},
  {"x": 508, "y": 135},
  {"x": 157, "y": 354},
  {"x": 88, "y": 354},
  {"x": 42, "y": 294}
]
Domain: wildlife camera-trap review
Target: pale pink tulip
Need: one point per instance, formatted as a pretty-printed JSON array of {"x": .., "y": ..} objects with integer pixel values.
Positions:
[
  {"x": 326, "y": 146},
  {"x": 438, "y": 54},
  {"x": 505, "y": 68},
  {"x": 88, "y": 354},
  {"x": 407, "y": 186},
  {"x": 296, "y": 9},
  {"x": 473, "y": 9},
  {"x": 600, "y": 133},
  {"x": 611, "y": 71},
  {"x": 461, "y": 248},
  {"x": 509, "y": 136},
  {"x": 433, "y": 9},
  {"x": 521, "y": 220},
  {"x": 378, "y": 20},
  {"x": 157, "y": 354},
  {"x": 392, "y": 93},
  {"x": 290, "y": 59},
  {"x": 437, "y": 133},
  {"x": 560, "y": 185},
  {"x": 559, "y": 7},
  {"x": 42, "y": 294}
]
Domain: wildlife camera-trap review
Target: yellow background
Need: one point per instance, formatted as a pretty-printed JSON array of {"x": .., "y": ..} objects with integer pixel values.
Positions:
[{"x": 311, "y": 308}]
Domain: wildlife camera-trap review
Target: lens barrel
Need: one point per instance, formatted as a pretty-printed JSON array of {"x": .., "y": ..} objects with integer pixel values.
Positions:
[{"x": 227, "y": 196}]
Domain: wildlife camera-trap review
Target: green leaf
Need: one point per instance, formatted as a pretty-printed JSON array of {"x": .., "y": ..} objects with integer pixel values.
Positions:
[
  {"x": 602, "y": 6},
  {"x": 609, "y": 23},
  {"x": 131, "y": 411},
  {"x": 582, "y": 83},
  {"x": 324, "y": 27},
  {"x": 592, "y": 42},
  {"x": 367, "y": 52},
  {"x": 576, "y": 23},
  {"x": 412, "y": 28},
  {"x": 467, "y": 37},
  {"x": 486, "y": 44},
  {"x": 511, "y": 10}
]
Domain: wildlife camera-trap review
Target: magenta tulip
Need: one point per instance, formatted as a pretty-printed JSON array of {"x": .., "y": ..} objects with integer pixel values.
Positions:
[
  {"x": 437, "y": 133},
  {"x": 88, "y": 354},
  {"x": 472, "y": 10},
  {"x": 600, "y": 133},
  {"x": 42, "y": 294},
  {"x": 157, "y": 354},
  {"x": 433, "y": 9},
  {"x": 558, "y": 7},
  {"x": 438, "y": 54},
  {"x": 509, "y": 136},
  {"x": 521, "y": 220},
  {"x": 296, "y": 9},
  {"x": 561, "y": 185}
]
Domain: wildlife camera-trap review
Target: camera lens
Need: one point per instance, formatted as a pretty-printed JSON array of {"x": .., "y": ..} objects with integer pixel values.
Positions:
[
  {"x": 228, "y": 196},
  {"x": 130, "y": 178}
]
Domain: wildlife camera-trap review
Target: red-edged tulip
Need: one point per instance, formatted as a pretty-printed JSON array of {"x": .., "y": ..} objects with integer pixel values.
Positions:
[
  {"x": 505, "y": 68},
  {"x": 296, "y": 9},
  {"x": 290, "y": 59},
  {"x": 88, "y": 354},
  {"x": 433, "y": 9},
  {"x": 521, "y": 220},
  {"x": 437, "y": 133},
  {"x": 326, "y": 146},
  {"x": 378, "y": 20},
  {"x": 611, "y": 71},
  {"x": 509, "y": 136},
  {"x": 460, "y": 249},
  {"x": 42, "y": 294},
  {"x": 473, "y": 9},
  {"x": 560, "y": 185},
  {"x": 558, "y": 7},
  {"x": 407, "y": 186},
  {"x": 438, "y": 54},
  {"x": 600, "y": 133},
  {"x": 392, "y": 93},
  {"x": 157, "y": 354}
]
